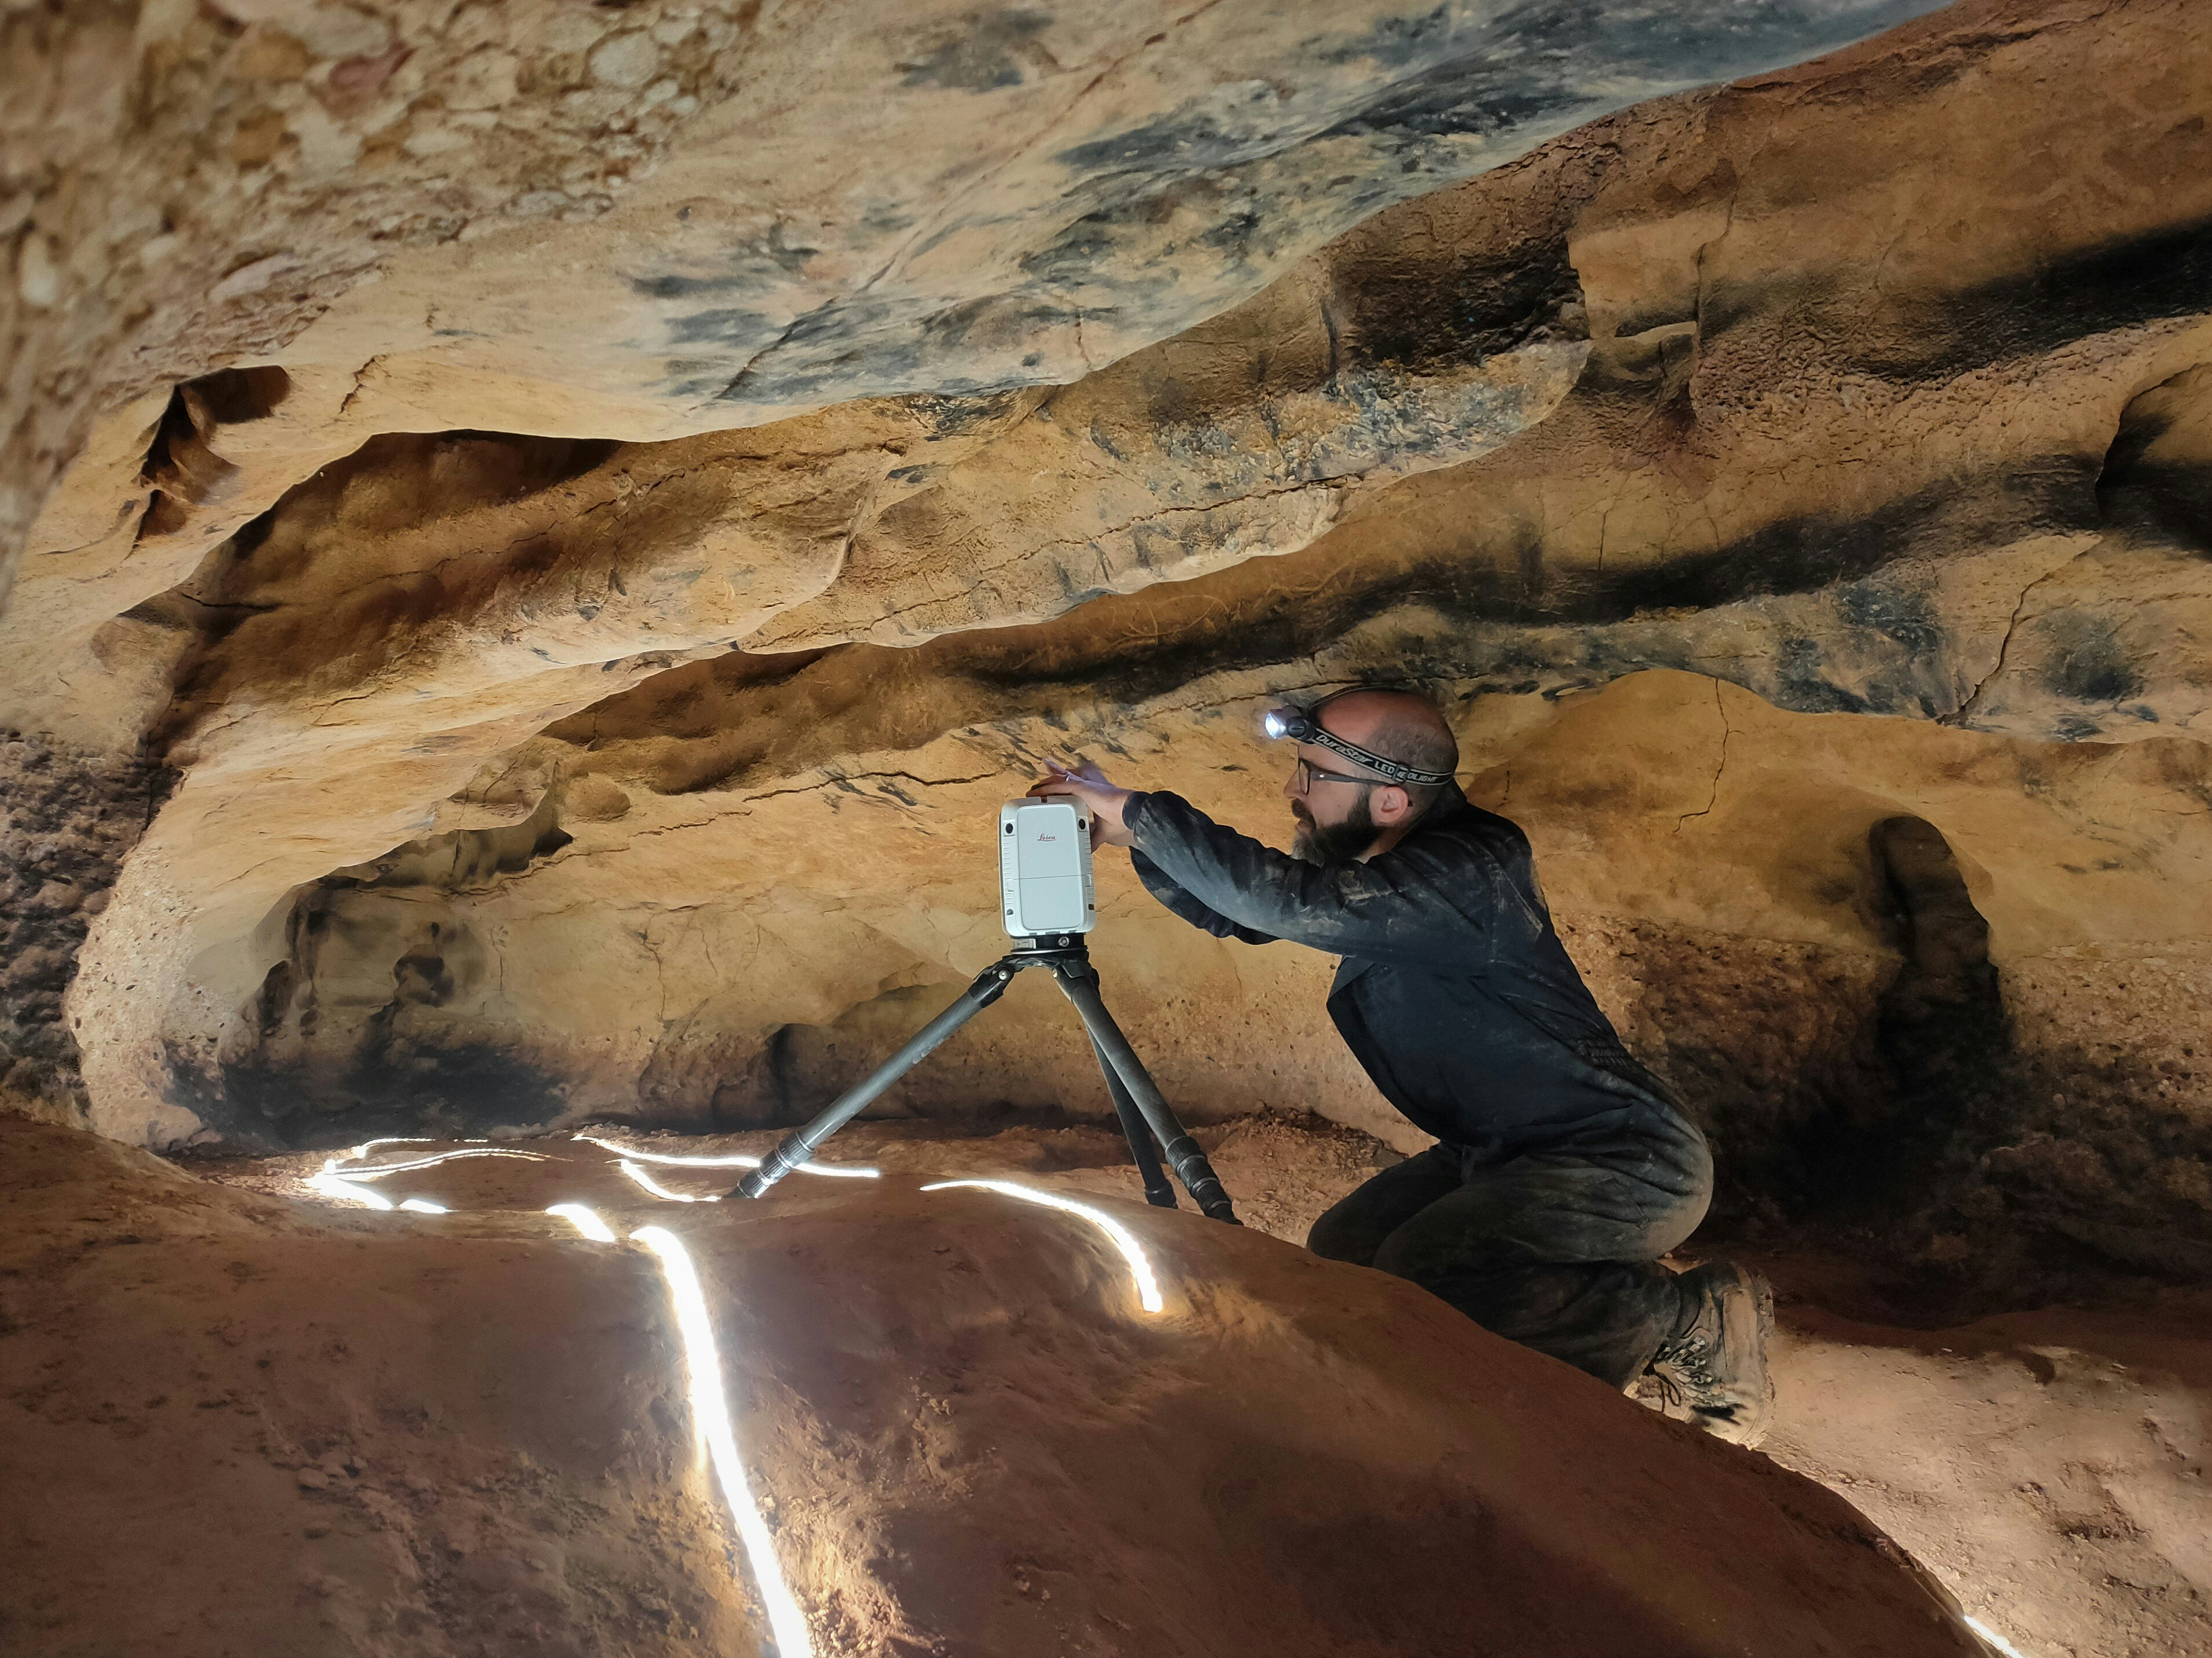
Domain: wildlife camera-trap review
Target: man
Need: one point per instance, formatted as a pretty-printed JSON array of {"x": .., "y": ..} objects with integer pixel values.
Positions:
[{"x": 1563, "y": 1169}]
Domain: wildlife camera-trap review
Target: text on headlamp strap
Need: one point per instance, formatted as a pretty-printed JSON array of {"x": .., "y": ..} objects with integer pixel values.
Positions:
[{"x": 1306, "y": 729}]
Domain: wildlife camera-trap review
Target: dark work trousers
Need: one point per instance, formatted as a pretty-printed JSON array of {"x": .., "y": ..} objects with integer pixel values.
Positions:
[{"x": 1556, "y": 1248}]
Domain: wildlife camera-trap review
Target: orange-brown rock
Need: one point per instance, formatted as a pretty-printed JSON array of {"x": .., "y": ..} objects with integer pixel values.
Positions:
[
  {"x": 482, "y": 817},
  {"x": 473, "y": 1432},
  {"x": 545, "y": 533}
]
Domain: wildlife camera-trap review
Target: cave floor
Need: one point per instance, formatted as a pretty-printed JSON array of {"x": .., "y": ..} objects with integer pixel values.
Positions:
[{"x": 2048, "y": 1466}]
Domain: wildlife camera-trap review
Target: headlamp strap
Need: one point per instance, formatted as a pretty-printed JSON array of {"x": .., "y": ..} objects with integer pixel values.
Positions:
[
  {"x": 1304, "y": 726},
  {"x": 1391, "y": 770}
]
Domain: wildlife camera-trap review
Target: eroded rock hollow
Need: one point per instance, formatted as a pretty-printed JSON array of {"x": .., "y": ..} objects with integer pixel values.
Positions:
[{"x": 537, "y": 538}]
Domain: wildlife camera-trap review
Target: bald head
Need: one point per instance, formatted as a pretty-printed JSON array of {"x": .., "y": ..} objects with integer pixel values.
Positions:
[
  {"x": 1400, "y": 725},
  {"x": 1354, "y": 814}
]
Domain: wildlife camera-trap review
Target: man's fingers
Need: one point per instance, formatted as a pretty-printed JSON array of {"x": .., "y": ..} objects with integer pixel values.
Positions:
[{"x": 1063, "y": 778}]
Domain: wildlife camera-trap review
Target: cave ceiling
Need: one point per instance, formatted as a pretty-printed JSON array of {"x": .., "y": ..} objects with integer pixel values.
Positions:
[{"x": 541, "y": 534}]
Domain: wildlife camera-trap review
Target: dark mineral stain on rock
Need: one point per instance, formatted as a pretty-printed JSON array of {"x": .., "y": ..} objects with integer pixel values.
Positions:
[
  {"x": 2088, "y": 662},
  {"x": 2156, "y": 485},
  {"x": 397, "y": 1086},
  {"x": 1905, "y": 615},
  {"x": 985, "y": 51}
]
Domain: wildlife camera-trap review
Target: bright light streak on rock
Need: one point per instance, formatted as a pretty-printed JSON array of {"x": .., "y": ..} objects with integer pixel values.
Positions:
[
  {"x": 1994, "y": 1639},
  {"x": 1148, "y": 1288},
  {"x": 735, "y": 1160},
  {"x": 423, "y": 1206},
  {"x": 837, "y": 1171},
  {"x": 586, "y": 1221},
  {"x": 637, "y": 1174},
  {"x": 328, "y": 1184},
  {"x": 367, "y": 1146},
  {"x": 710, "y": 1410},
  {"x": 379, "y": 1170}
]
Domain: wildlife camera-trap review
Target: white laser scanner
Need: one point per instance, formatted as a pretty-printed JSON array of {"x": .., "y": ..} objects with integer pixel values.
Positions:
[{"x": 1044, "y": 867}]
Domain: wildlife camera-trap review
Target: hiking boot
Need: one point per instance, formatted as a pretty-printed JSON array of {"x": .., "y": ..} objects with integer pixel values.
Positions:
[{"x": 1714, "y": 1374}]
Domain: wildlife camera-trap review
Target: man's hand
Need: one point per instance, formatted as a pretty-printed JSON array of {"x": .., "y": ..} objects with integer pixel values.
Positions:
[{"x": 1086, "y": 782}]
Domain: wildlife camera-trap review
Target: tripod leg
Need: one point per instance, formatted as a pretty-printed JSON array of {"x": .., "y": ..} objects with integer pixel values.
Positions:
[
  {"x": 801, "y": 1143},
  {"x": 1080, "y": 982},
  {"x": 1157, "y": 1191}
]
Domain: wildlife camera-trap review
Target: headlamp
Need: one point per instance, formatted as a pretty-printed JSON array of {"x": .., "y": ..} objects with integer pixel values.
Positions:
[{"x": 1300, "y": 726}]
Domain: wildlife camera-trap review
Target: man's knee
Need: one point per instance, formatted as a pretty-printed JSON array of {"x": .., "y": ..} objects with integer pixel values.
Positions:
[
  {"x": 1356, "y": 1224},
  {"x": 1683, "y": 1195},
  {"x": 1431, "y": 1255},
  {"x": 1338, "y": 1235}
]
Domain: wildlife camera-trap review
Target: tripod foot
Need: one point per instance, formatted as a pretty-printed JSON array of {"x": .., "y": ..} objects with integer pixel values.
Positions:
[{"x": 1078, "y": 980}]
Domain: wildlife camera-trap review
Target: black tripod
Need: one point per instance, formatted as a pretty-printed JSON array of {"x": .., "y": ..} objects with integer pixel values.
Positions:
[{"x": 1137, "y": 1098}]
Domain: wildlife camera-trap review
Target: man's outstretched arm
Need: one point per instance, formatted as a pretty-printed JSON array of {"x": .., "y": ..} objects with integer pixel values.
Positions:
[
  {"x": 1421, "y": 904},
  {"x": 1157, "y": 882},
  {"x": 1087, "y": 783}
]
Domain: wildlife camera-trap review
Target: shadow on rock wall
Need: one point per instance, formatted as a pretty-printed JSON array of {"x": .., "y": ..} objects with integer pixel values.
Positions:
[
  {"x": 1883, "y": 1101},
  {"x": 384, "y": 1013}
]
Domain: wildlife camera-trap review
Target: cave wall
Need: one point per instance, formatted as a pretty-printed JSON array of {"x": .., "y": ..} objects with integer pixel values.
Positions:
[
  {"x": 1862, "y": 1038},
  {"x": 68, "y": 817},
  {"x": 586, "y": 648}
]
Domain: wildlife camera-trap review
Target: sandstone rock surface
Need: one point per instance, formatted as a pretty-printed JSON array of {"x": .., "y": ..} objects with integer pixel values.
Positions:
[
  {"x": 643, "y": 220},
  {"x": 545, "y": 533},
  {"x": 469, "y": 1433},
  {"x": 1742, "y": 483},
  {"x": 507, "y": 647}
]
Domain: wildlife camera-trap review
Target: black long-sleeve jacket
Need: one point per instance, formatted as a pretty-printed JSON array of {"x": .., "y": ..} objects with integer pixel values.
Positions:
[{"x": 1454, "y": 993}]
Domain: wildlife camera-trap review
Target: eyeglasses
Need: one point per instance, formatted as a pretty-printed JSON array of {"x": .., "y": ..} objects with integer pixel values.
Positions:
[{"x": 1305, "y": 775}]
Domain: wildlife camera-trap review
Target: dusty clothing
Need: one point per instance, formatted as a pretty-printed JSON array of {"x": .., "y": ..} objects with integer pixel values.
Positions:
[
  {"x": 1573, "y": 1167},
  {"x": 1554, "y": 1249},
  {"x": 1455, "y": 993}
]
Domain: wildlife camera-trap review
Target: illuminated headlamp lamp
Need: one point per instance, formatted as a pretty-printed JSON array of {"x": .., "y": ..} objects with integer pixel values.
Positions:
[{"x": 1301, "y": 726}]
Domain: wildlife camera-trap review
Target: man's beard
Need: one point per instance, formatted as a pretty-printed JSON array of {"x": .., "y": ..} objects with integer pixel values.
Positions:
[{"x": 1333, "y": 843}]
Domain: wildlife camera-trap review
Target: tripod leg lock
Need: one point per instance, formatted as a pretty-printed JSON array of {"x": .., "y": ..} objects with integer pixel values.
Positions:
[
  {"x": 787, "y": 1157},
  {"x": 1200, "y": 1181}
]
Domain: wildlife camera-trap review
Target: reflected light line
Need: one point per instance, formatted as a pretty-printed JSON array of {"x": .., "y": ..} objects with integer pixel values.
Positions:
[
  {"x": 735, "y": 1160},
  {"x": 1148, "y": 1288},
  {"x": 703, "y": 1364},
  {"x": 383, "y": 1169},
  {"x": 367, "y": 1146},
  {"x": 1994, "y": 1639},
  {"x": 638, "y": 1175},
  {"x": 710, "y": 1411},
  {"x": 586, "y": 1221},
  {"x": 328, "y": 1184}
]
